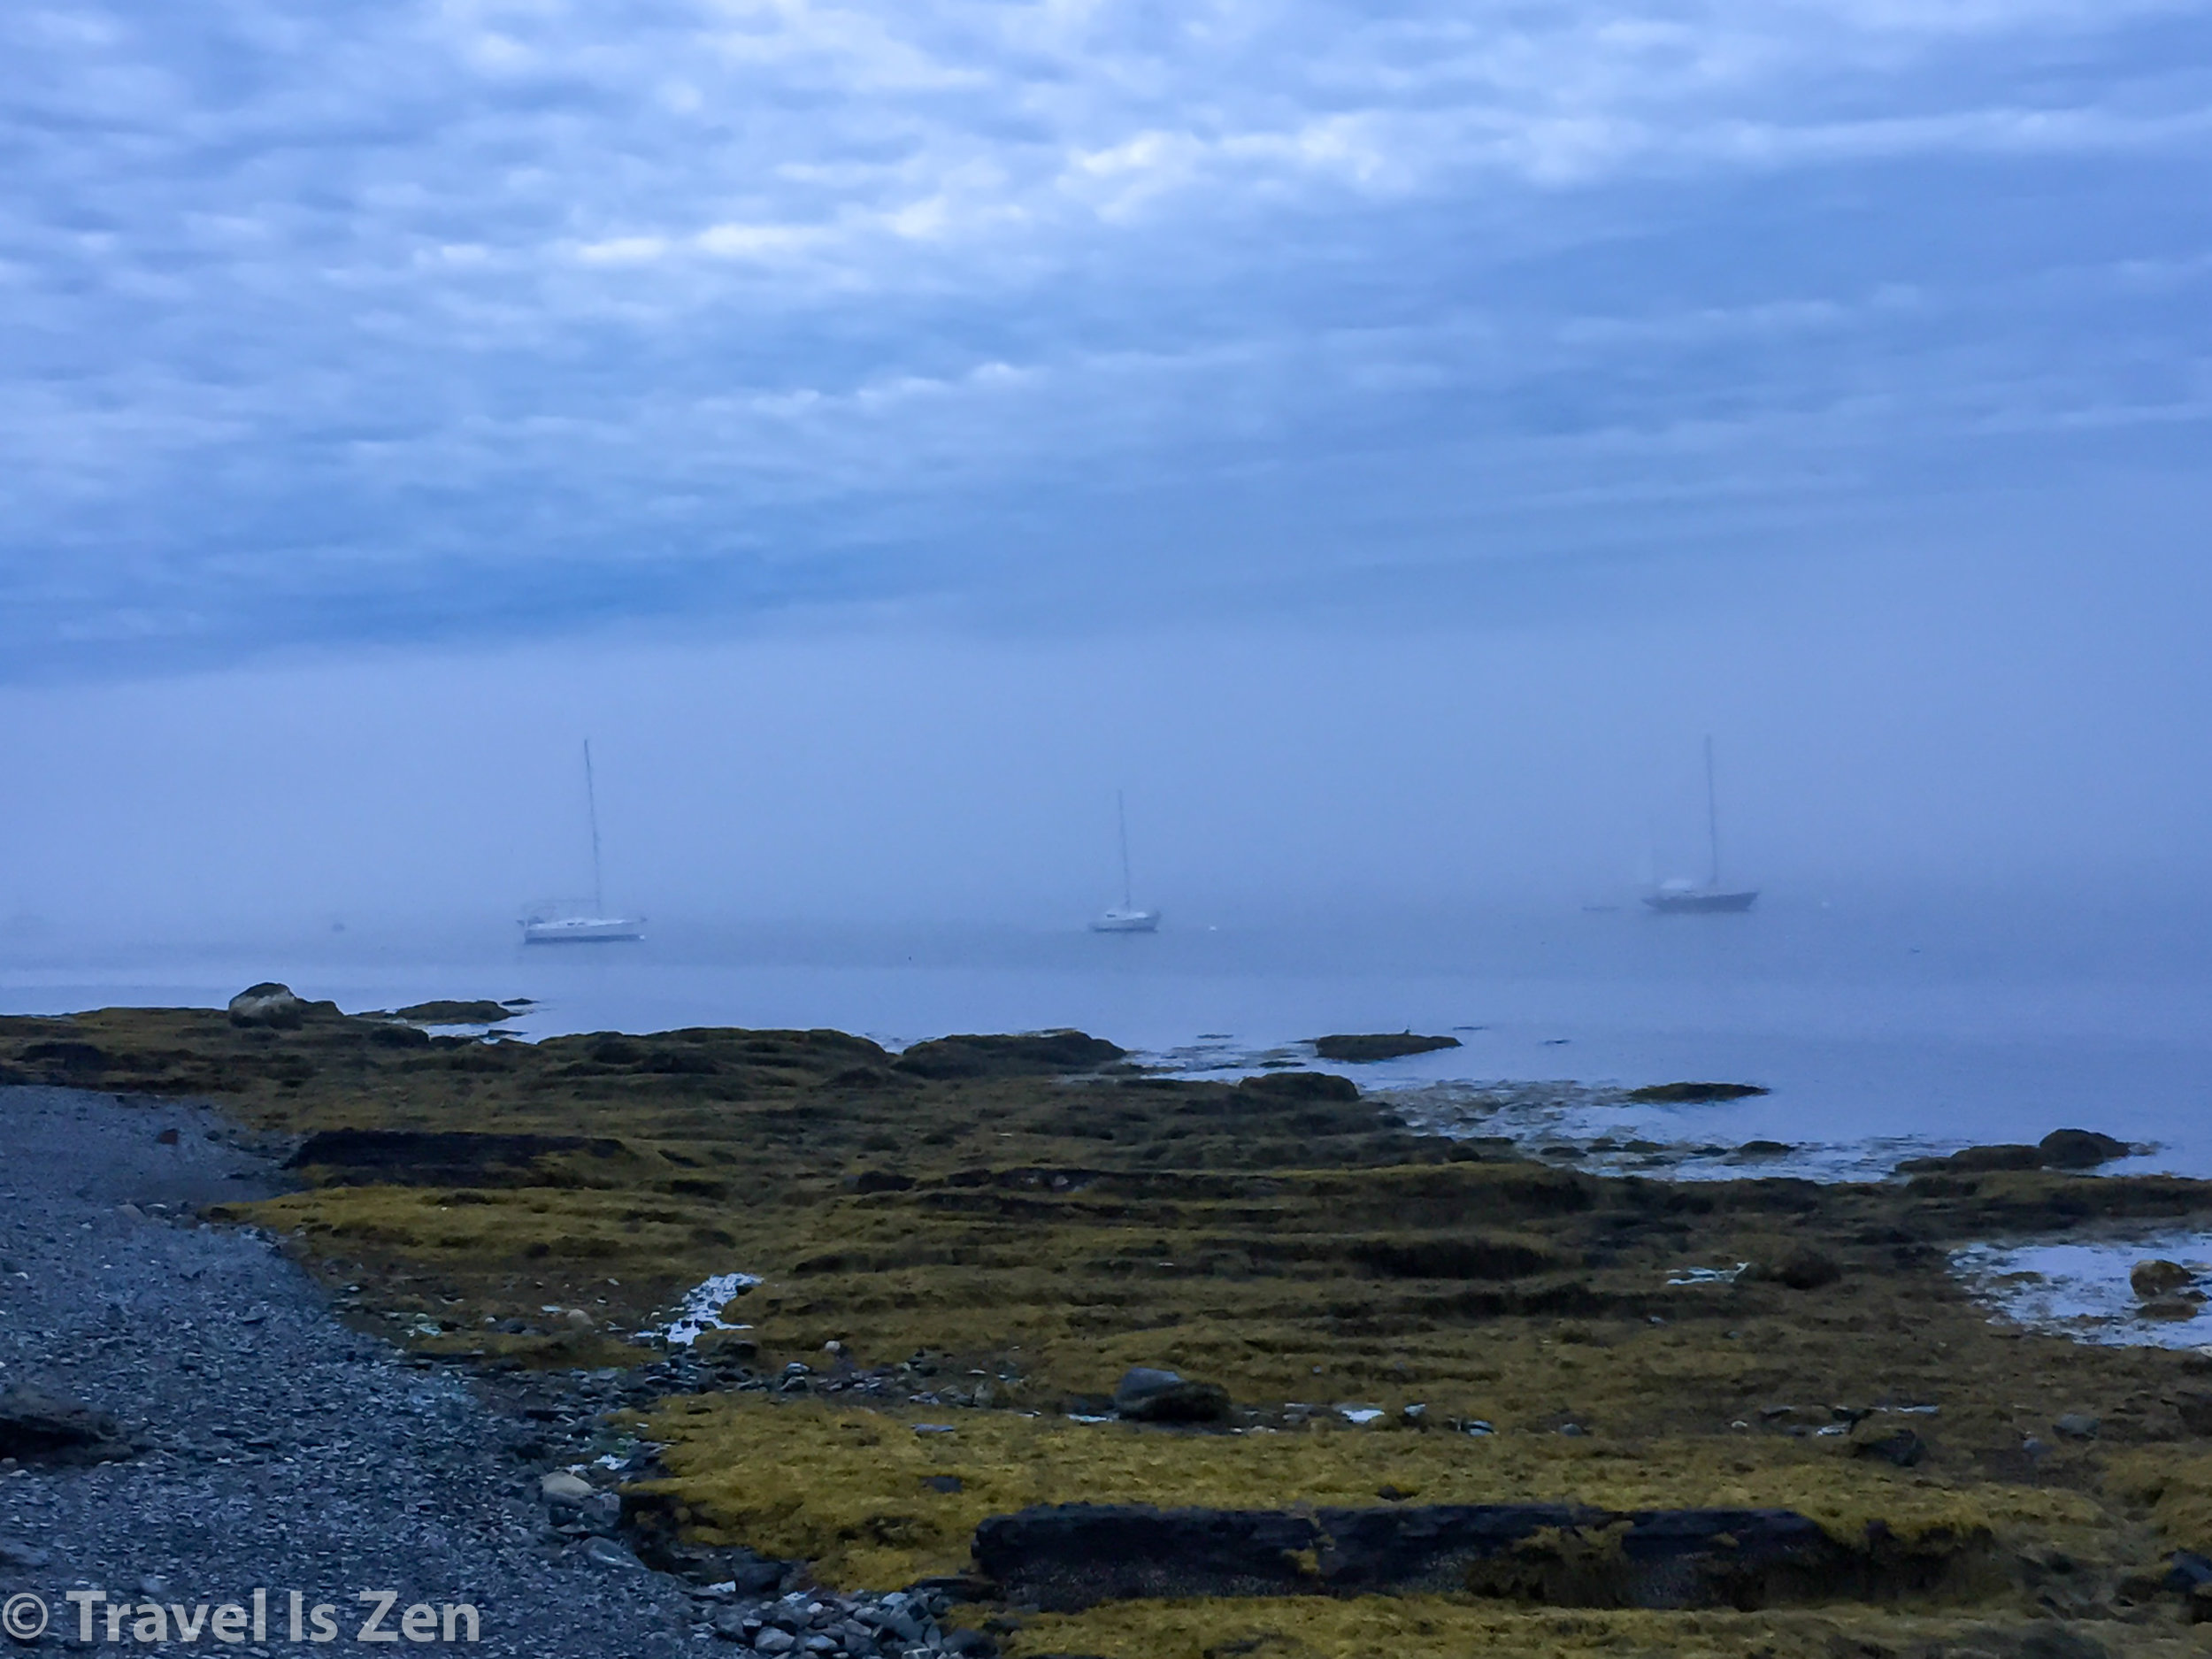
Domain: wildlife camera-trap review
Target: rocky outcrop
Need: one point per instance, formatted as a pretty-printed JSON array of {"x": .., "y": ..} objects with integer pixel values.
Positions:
[
  {"x": 1362, "y": 1048},
  {"x": 2060, "y": 1149},
  {"x": 1028, "y": 1054},
  {"x": 1301, "y": 1087},
  {"x": 417, "y": 1158},
  {"x": 1072, "y": 1556},
  {"x": 478, "y": 1012},
  {"x": 1692, "y": 1094}
]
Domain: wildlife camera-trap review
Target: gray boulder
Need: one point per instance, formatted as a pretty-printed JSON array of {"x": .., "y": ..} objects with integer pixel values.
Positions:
[
  {"x": 1149, "y": 1395},
  {"x": 268, "y": 1005}
]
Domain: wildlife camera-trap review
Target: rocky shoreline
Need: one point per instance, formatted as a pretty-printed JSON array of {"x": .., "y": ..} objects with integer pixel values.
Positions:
[
  {"x": 372, "y": 1320},
  {"x": 187, "y": 1421}
]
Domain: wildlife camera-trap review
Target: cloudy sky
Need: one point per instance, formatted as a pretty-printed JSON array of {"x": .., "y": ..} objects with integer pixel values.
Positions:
[
  {"x": 338, "y": 320},
  {"x": 469, "y": 326}
]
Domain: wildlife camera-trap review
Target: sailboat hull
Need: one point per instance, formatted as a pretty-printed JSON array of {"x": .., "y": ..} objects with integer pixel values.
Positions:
[
  {"x": 1127, "y": 922},
  {"x": 581, "y": 930},
  {"x": 1701, "y": 902}
]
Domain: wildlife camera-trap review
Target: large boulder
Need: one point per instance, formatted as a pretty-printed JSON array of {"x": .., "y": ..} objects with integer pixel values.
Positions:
[
  {"x": 37, "y": 1427},
  {"x": 1147, "y": 1395},
  {"x": 2079, "y": 1149},
  {"x": 268, "y": 1005}
]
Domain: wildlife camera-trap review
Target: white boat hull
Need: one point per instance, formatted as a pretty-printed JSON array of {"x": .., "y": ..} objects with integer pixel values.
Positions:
[
  {"x": 580, "y": 930},
  {"x": 1701, "y": 902},
  {"x": 1127, "y": 922}
]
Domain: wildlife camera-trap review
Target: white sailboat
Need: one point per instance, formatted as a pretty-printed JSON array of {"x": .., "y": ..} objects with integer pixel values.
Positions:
[
  {"x": 1687, "y": 898},
  {"x": 558, "y": 923},
  {"x": 1125, "y": 918}
]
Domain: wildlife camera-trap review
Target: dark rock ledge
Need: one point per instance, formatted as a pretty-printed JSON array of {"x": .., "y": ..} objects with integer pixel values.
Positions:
[{"x": 1072, "y": 1556}]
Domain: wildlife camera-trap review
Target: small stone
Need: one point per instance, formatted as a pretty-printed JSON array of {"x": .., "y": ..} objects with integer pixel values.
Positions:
[
  {"x": 2158, "y": 1277},
  {"x": 1804, "y": 1267},
  {"x": 2078, "y": 1425},
  {"x": 605, "y": 1552},
  {"x": 729, "y": 1624},
  {"x": 19, "y": 1555},
  {"x": 579, "y": 1318},
  {"x": 560, "y": 1486},
  {"x": 1904, "y": 1448},
  {"x": 772, "y": 1641}
]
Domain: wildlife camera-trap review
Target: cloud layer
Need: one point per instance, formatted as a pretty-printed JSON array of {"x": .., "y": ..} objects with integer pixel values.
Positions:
[{"x": 337, "y": 321}]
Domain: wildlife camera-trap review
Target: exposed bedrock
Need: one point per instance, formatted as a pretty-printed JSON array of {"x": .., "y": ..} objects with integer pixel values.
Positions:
[
  {"x": 1026, "y": 1054},
  {"x": 1066, "y": 1558},
  {"x": 1365, "y": 1048},
  {"x": 438, "y": 1156}
]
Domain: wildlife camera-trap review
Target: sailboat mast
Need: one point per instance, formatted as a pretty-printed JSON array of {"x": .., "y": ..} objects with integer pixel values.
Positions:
[
  {"x": 1712, "y": 815},
  {"x": 591, "y": 808},
  {"x": 1121, "y": 818}
]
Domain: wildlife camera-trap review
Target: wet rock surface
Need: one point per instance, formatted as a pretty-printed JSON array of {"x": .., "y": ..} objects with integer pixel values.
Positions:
[
  {"x": 1365, "y": 1048},
  {"x": 1692, "y": 1094},
  {"x": 2060, "y": 1149}
]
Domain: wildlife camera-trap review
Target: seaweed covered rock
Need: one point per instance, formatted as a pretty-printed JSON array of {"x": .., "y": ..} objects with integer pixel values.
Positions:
[
  {"x": 449, "y": 1012},
  {"x": 1801, "y": 1267},
  {"x": 1362, "y": 1047},
  {"x": 1301, "y": 1087},
  {"x": 418, "y": 1158},
  {"x": 1071, "y": 1557},
  {"x": 2158, "y": 1277},
  {"x": 1694, "y": 1094},
  {"x": 1026, "y": 1054},
  {"x": 2060, "y": 1149},
  {"x": 2079, "y": 1149}
]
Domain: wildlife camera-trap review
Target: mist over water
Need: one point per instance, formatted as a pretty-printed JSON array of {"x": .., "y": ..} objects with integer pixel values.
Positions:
[{"x": 1966, "y": 783}]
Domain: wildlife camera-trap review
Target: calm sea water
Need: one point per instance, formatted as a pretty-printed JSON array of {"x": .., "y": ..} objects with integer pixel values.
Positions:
[{"x": 1879, "y": 1031}]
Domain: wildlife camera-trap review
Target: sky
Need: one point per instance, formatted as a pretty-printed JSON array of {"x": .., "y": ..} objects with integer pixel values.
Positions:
[{"x": 1385, "y": 438}]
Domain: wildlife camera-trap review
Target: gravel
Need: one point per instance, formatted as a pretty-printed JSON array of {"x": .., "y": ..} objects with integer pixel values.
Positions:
[{"x": 271, "y": 1447}]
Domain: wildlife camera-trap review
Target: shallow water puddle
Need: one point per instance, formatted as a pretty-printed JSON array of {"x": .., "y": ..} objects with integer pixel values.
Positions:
[{"x": 2082, "y": 1290}]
